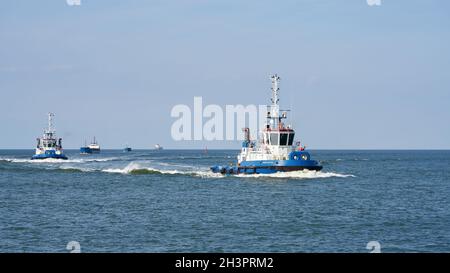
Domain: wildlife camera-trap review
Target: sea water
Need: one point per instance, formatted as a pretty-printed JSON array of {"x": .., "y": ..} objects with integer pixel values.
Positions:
[{"x": 169, "y": 201}]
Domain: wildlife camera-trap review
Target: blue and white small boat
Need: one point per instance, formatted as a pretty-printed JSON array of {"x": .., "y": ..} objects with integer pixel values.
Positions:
[
  {"x": 276, "y": 151},
  {"x": 85, "y": 150},
  {"x": 49, "y": 146}
]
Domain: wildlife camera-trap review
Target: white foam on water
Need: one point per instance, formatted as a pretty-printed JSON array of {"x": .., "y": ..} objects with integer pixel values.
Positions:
[
  {"x": 305, "y": 174},
  {"x": 106, "y": 159},
  {"x": 133, "y": 166},
  {"x": 68, "y": 167},
  {"x": 14, "y": 160},
  {"x": 53, "y": 160},
  {"x": 136, "y": 167},
  {"x": 147, "y": 167},
  {"x": 27, "y": 160}
]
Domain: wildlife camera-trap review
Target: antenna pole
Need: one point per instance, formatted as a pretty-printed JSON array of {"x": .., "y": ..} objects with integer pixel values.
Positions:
[
  {"x": 275, "y": 89},
  {"x": 275, "y": 108},
  {"x": 50, "y": 122}
]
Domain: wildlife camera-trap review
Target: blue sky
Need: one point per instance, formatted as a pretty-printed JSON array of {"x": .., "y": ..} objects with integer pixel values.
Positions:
[{"x": 355, "y": 76}]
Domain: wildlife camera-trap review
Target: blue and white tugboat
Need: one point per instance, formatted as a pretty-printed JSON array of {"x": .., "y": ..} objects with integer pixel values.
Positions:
[
  {"x": 49, "y": 146},
  {"x": 275, "y": 151}
]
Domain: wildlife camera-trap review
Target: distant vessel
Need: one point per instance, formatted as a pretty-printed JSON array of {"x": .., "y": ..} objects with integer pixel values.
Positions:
[
  {"x": 94, "y": 147},
  {"x": 49, "y": 146},
  {"x": 85, "y": 150},
  {"x": 127, "y": 148},
  {"x": 158, "y": 147},
  {"x": 275, "y": 151}
]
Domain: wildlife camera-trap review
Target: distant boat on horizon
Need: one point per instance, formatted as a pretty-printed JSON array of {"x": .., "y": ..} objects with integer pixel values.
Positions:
[
  {"x": 127, "y": 148},
  {"x": 85, "y": 150},
  {"x": 158, "y": 147},
  {"x": 94, "y": 146}
]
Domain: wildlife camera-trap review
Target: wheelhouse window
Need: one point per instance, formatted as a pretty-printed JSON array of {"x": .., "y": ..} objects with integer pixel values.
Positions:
[
  {"x": 274, "y": 138},
  {"x": 283, "y": 139},
  {"x": 291, "y": 139}
]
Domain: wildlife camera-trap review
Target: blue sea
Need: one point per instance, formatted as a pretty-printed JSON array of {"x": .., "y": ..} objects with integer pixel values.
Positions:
[{"x": 169, "y": 201}]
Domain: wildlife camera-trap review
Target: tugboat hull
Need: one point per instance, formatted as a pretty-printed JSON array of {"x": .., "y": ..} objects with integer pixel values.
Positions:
[
  {"x": 268, "y": 167},
  {"x": 256, "y": 170},
  {"x": 48, "y": 155}
]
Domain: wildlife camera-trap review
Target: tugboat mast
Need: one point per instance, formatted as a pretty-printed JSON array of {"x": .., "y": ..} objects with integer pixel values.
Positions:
[
  {"x": 275, "y": 89},
  {"x": 273, "y": 114},
  {"x": 50, "y": 129}
]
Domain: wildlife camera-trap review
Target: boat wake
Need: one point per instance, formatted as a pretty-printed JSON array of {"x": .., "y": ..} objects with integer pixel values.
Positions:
[
  {"x": 53, "y": 160},
  {"x": 138, "y": 168},
  {"x": 150, "y": 167},
  {"x": 305, "y": 174}
]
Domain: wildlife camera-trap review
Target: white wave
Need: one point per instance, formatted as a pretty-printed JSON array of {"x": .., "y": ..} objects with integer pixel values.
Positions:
[
  {"x": 148, "y": 167},
  {"x": 137, "y": 167},
  {"x": 305, "y": 174},
  {"x": 27, "y": 160},
  {"x": 14, "y": 160},
  {"x": 68, "y": 167},
  {"x": 106, "y": 159},
  {"x": 53, "y": 160}
]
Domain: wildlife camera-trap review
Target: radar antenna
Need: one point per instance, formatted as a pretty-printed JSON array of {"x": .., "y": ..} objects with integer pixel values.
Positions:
[
  {"x": 50, "y": 123},
  {"x": 275, "y": 89}
]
